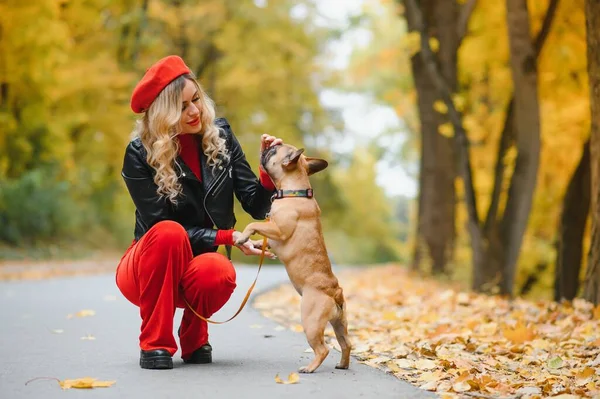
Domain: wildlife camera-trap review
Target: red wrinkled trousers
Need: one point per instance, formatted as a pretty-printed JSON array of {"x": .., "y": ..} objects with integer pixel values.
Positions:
[{"x": 158, "y": 272}]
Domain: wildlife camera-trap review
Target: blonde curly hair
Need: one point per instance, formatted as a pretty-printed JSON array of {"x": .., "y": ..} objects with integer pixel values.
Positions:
[{"x": 160, "y": 125}]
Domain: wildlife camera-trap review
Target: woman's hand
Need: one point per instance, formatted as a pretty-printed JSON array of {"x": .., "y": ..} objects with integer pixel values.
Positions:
[
  {"x": 267, "y": 141},
  {"x": 252, "y": 247}
]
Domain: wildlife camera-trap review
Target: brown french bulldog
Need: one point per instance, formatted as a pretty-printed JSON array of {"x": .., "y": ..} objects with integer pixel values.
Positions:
[{"x": 294, "y": 234}]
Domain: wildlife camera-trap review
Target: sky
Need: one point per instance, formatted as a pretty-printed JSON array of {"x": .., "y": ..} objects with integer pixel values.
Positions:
[{"x": 364, "y": 118}]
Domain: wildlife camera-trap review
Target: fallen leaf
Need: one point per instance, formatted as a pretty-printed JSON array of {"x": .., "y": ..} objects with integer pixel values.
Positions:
[
  {"x": 462, "y": 386},
  {"x": 82, "y": 313},
  {"x": 586, "y": 373},
  {"x": 429, "y": 386},
  {"x": 425, "y": 364},
  {"x": 57, "y": 331},
  {"x": 519, "y": 334},
  {"x": 529, "y": 391},
  {"x": 88, "y": 337},
  {"x": 297, "y": 328},
  {"x": 85, "y": 383},
  {"x": 293, "y": 378},
  {"x": 405, "y": 363},
  {"x": 555, "y": 363}
]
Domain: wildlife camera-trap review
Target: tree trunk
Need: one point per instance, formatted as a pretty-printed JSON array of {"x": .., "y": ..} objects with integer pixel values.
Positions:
[
  {"x": 592, "y": 280},
  {"x": 437, "y": 194},
  {"x": 571, "y": 230},
  {"x": 527, "y": 129},
  {"x": 487, "y": 279}
]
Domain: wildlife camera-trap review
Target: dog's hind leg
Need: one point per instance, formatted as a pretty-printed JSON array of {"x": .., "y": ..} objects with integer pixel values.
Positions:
[
  {"x": 340, "y": 327},
  {"x": 317, "y": 309}
]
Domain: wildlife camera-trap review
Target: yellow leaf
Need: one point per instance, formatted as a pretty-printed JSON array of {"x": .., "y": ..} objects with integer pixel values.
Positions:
[
  {"x": 85, "y": 383},
  {"x": 297, "y": 328},
  {"x": 446, "y": 129},
  {"x": 519, "y": 334},
  {"x": 390, "y": 316},
  {"x": 293, "y": 378},
  {"x": 434, "y": 44},
  {"x": 440, "y": 107},
  {"x": 82, "y": 313},
  {"x": 459, "y": 102},
  {"x": 586, "y": 373},
  {"x": 412, "y": 42}
]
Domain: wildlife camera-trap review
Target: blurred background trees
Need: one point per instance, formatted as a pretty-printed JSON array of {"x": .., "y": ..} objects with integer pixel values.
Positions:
[{"x": 493, "y": 102}]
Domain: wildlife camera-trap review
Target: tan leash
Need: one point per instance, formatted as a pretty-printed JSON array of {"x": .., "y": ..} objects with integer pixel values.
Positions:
[{"x": 262, "y": 258}]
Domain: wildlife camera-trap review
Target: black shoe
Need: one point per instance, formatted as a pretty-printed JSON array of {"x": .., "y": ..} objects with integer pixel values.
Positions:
[
  {"x": 202, "y": 355},
  {"x": 156, "y": 359}
]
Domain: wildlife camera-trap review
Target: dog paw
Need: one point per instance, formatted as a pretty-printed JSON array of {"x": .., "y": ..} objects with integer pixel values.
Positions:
[
  {"x": 240, "y": 241},
  {"x": 341, "y": 366},
  {"x": 305, "y": 370}
]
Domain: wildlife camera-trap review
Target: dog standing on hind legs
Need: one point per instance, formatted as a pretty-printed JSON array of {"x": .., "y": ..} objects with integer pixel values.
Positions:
[{"x": 294, "y": 234}]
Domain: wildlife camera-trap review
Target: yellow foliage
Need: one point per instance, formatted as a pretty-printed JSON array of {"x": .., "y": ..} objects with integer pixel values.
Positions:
[
  {"x": 440, "y": 107},
  {"x": 434, "y": 43},
  {"x": 411, "y": 42},
  {"x": 484, "y": 92},
  {"x": 446, "y": 129}
]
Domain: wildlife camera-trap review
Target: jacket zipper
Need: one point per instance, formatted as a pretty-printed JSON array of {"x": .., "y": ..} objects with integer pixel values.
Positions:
[
  {"x": 216, "y": 189},
  {"x": 217, "y": 181}
]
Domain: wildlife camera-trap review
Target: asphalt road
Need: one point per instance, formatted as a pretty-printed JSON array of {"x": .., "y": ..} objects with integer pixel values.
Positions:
[{"x": 37, "y": 339}]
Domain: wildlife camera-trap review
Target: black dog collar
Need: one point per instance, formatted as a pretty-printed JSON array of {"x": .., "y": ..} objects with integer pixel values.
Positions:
[{"x": 307, "y": 193}]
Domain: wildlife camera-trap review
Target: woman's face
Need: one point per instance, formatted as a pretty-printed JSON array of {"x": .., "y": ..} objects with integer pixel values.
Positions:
[{"x": 191, "y": 109}]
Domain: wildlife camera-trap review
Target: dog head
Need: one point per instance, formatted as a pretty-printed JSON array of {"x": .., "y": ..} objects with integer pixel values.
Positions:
[{"x": 284, "y": 159}]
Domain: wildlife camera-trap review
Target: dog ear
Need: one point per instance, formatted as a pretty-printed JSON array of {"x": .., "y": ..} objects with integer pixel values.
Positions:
[
  {"x": 315, "y": 165},
  {"x": 293, "y": 159}
]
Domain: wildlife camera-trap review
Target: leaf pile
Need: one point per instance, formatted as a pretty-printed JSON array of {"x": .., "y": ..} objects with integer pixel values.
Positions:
[{"x": 461, "y": 344}]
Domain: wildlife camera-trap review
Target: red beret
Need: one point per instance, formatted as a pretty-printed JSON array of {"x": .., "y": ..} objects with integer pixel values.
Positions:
[{"x": 156, "y": 78}]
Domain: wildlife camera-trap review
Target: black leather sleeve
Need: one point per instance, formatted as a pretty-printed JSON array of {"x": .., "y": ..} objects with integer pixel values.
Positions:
[
  {"x": 255, "y": 199},
  {"x": 151, "y": 208}
]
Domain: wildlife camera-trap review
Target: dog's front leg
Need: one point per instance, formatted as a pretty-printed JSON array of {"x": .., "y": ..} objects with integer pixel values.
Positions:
[
  {"x": 270, "y": 229},
  {"x": 267, "y": 229}
]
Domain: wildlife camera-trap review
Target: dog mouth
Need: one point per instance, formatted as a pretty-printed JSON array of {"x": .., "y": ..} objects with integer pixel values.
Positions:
[{"x": 267, "y": 154}]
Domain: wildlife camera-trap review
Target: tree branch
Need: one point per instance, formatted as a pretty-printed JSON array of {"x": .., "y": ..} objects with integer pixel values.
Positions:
[
  {"x": 542, "y": 35},
  {"x": 463, "y": 20}
]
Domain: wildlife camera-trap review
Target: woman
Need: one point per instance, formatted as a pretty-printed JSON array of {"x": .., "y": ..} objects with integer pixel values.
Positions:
[{"x": 182, "y": 169}]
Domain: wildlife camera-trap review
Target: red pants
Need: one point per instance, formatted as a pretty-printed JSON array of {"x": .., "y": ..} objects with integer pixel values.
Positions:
[{"x": 158, "y": 271}]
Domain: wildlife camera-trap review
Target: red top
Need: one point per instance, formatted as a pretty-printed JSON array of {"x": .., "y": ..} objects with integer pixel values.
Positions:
[{"x": 188, "y": 150}]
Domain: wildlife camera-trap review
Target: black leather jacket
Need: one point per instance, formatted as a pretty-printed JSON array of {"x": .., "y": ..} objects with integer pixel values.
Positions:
[{"x": 212, "y": 197}]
